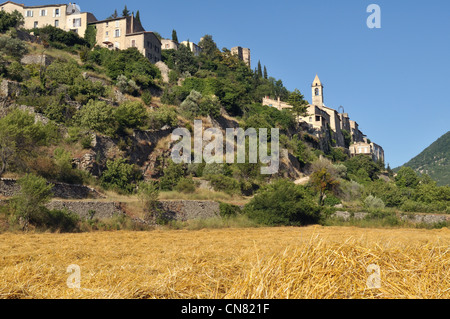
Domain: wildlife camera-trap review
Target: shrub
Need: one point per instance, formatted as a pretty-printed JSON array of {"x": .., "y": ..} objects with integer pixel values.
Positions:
[
  {"x": 55, "y": 220},
  {"x": 66, "y": 172},
  {"x": 59, "y": 38},
  {"x": 146, "y": 98},
  {"x": 34, "y": 194},
  {"x": 10, "y": 20},
  {"x": 163, "y": 116},
  {"x": 63, "y": 73},
  {"x": 12, "y": 47},
  {"x": 97, "y": 116},
  {"x": 127, "y": 86},
  {"x": 171, "y": 176},
  {"x": 186, "y": 186},
  {"x": 283, "y": 203},
  {"x": 407, "y": 177},
  {"x": 225, "y": 184},
  {"x": 148, "y": 192},
  {"x": 228, "y": 210},
  {"x": 373, "y": 203},
  {"x": 131, "y": 115},
  {"x": 120, "y": 176},
  {"x": 331, "y": 200}
]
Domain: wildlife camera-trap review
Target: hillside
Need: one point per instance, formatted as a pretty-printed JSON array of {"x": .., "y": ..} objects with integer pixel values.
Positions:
[{"x": 434, "y": 161}]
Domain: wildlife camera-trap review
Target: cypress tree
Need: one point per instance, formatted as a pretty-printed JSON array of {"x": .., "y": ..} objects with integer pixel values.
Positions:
[
  {"x": 174, "y": 36},
  {"x": 125, "y": 12},
  {"x": 138, "y": 16},
  {"x": 265, "y": 73},
  {"x": 260, "y": 74}
]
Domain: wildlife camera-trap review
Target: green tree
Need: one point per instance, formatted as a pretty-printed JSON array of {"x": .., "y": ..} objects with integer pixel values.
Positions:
[
  {"x": 174, "y": 36},
  {"x": 283, "y": 203},
  {"x": 34, "y": 194},
  {"x": 362, "y": 164},
  {"x": 90, "y": 36},
  {"x": 259, "y": 72},
  {"x": 407, "y": 177},
  {"x": 10, "y": 20},
  {"x": 209, "y": 47},
  {"x": 148, "y": 193},
  {"x": 297, "y": 101},
  {"x": 97, "y": 116},
  {"x": 171, "y": 176},
  {"x": 131, "y": 115},
  {"x": 138, "y": 16},
  {"x": 19, "y": 137},
  {"x": 120, "y": 176},
  {"x": 323, "y": 181},
  {"x": 190, "y": 106},
  {"x": 125, "y": 12},
  {"x": 265, "y": 73}
]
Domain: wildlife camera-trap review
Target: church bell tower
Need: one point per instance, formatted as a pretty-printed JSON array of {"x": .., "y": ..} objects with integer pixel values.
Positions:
[{"x": 317, "y": 92}]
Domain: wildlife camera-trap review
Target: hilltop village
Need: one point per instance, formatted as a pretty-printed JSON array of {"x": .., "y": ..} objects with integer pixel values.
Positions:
[{"x": 127, "y": 32}]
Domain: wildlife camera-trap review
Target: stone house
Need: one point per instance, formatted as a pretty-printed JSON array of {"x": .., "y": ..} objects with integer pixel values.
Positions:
[
  {"x": 369, "y": 149},
  {"x": 127, "y": 32},
  {"x": 167, "y": 44},
  {"x": 67, "y": 17}
]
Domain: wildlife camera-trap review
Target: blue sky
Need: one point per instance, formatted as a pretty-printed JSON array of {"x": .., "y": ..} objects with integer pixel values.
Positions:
[{"x": 393, "y": 81}]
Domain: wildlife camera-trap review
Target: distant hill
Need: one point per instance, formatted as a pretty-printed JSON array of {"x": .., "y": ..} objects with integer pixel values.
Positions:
[{"x": 434, "y": 161}]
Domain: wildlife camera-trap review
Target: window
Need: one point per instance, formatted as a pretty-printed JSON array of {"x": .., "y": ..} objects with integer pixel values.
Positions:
[
  {"x": 317, "y": 118},
  {"x": 117, "y": 33},
  {"x": 107, "y": 24},
  {"x": 29, "y": 13},
  {"x": 36, "y": 24},
  {"x": 43, "y": 13},
  {"x": 56, "y": 23},
  {"x": 133, "y": 43},
  {"x": 57, "y": 12},
  {"x": 76, "y": 23},
  {"x": 317, "y": 92}
]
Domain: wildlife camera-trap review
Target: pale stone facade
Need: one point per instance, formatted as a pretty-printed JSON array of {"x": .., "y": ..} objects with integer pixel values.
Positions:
[
  {"x": 67, "y": 17},
  {"x": 127, "y": 32},
  {"x": 194, "y": 47},
  {"x": 369, "y": 149},
  {"x": 167, "y": 44},
  {"x": 276, "y": 103},
  {"x": 243, "y": 54}
]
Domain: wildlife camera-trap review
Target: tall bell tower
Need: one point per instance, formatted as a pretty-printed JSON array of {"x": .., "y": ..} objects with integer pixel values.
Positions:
[{"x": 317, "y": 92}]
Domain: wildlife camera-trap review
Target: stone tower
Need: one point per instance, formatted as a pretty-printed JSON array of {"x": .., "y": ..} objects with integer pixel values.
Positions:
[{"x": 317, "y": 92}]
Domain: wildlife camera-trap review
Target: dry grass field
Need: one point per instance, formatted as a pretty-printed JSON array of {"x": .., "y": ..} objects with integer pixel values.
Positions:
[{"x": 269, "y": 263}]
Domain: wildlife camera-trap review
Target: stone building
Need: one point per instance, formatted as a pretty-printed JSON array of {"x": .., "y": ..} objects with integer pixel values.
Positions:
[
  {"x": 167, "y": 44},
  {"x": 194, "y": 47},
  {"x": 127, "y": 32},
  {"x": 323, "y": 120},
  {"x": 67, "y": 17},
  {"x": 369, "y": 149},
  {"x": 243, "y": 54},
  {"x": 278, "y": 104}
]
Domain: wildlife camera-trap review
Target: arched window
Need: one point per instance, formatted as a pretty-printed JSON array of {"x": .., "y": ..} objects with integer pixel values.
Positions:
[{"x": 317, "y": 92}]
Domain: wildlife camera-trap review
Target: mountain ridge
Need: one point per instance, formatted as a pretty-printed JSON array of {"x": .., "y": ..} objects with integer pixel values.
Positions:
[{"x": 434, "y": 160}]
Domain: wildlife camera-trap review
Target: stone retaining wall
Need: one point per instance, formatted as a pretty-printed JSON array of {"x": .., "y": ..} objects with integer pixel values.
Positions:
[
  {"x": 10, "y": 188},
  {"x": 189, "y": 210},
  {"x": 429, "y": 219},
  {"x": 88, "y": 210}
]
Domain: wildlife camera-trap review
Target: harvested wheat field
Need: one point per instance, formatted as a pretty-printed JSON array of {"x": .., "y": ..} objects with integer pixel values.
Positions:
[{"x": 267, "y": 263}]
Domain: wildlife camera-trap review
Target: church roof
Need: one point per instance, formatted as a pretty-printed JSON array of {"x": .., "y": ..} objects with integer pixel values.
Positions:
[{"x": 317, "y": 81}]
